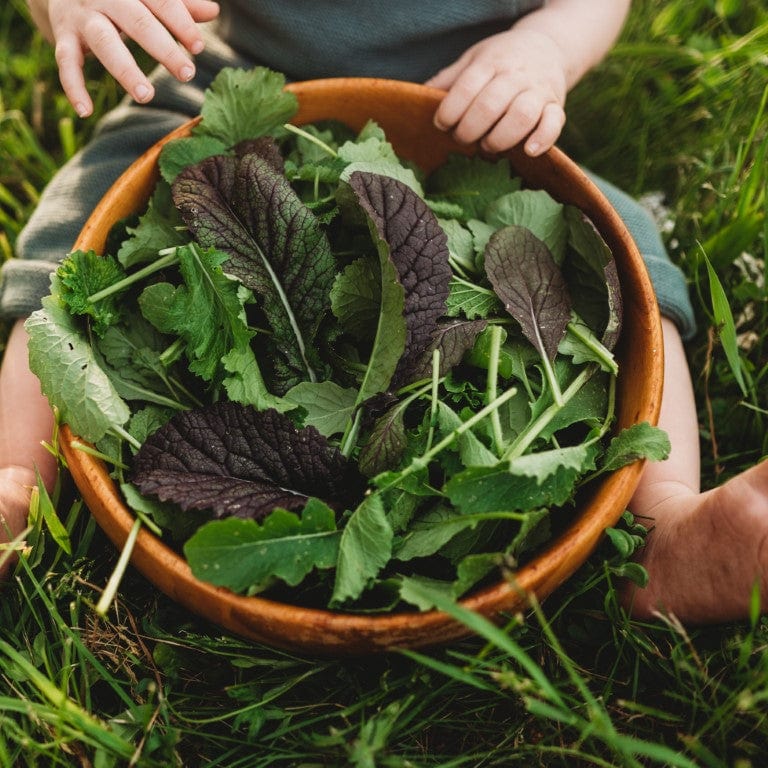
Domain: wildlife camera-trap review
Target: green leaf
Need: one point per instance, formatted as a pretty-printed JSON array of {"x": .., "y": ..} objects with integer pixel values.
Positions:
[
  {"x": 275, "y": 246},
  {"x": 472, "y": 451},
  {"x": 518, "y": 485},
  {"x": 472, "y": 182},
  {"x": 55, "y": 527},
  {"x": 633, "y": 443},
  {"x": 246, "y": 557},
  {"x": 207, "y": 311},
  {"x": 537, "y": 211},
  {"x": 69, "y": 375},
  {"x": 542, "y": 465},
  {"x": 356, "y": 298},
  {"x": 472, "y": 301},
  {"x": 366, "y": 547},
  {"x": 726, "y": 327},
  {"x": 328, "y": 406},
  {"x": 245, "y": 104},
  {"x": 178, "y": 154},
  {"x": 84, "y": 273}
]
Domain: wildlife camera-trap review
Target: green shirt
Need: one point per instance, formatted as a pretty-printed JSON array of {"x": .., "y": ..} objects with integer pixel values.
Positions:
[{"x": 398, "y": 39}]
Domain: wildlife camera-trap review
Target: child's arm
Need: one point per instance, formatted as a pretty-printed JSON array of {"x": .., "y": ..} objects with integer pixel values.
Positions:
[
  {"x": 26, "y": 421},
  {"x": 77, "y": 27},
  {"x": 513, "y": 85}
]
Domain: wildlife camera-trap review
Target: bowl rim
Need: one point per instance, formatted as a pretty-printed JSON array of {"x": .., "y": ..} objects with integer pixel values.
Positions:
[{"x": 323, "y": 631}]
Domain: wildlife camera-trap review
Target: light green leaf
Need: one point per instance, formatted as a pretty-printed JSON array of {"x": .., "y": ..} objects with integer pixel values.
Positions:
[
  {"x": 544, "y": 464},
  {"x": 366, "y": 547},
  {"x": 537, "y": 211},
  {"x": 245, "y": 104},
  {"x": 329, "y": 406},
  {"x": 245, "y": 556},
  {"x": 634, "y": 443},
  {"x": 69, "y": 375},
  {"x": 726, "y": 327}
]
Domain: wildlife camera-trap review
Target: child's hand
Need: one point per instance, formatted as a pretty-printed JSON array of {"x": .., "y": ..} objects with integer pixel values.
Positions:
[
  {"x": 503, "y": 89},
  {"x": 15, "y": 484},
  {"x": 158, "y": 26}
]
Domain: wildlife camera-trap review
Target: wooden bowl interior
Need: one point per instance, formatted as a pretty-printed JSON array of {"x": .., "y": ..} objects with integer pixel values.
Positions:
[{"x": 405, "y": 113}]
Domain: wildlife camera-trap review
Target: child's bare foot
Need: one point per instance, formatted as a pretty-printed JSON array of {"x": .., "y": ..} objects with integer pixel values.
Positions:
[
  {"x": 706, "y": 551},
  {"x": 15, "y": 488}
]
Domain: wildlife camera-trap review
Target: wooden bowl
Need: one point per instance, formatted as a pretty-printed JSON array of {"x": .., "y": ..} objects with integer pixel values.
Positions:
[{"x": 405, "y": 112}]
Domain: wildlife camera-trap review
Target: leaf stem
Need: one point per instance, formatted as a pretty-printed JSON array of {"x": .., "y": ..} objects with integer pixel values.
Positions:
[
  {"x": 608, "y": 361},
  {"x": 523, "y": 441},
  {"x": 310, "y": 137},
  {"x": 108, "y": 595},
  {"x": 434, "y": 399},
  {"x": 422, "y": 461},
  {"x": 125, "y": 435},
  {"x": 164, "y": 261},
  {"x": 493, "y": 375}
]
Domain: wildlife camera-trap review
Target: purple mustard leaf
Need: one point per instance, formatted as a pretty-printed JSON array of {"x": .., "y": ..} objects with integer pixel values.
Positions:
[
  {"x": 237, "y": 460},
  {"x": 526, "y": 278},
  {"x": 418, "y": 250}
]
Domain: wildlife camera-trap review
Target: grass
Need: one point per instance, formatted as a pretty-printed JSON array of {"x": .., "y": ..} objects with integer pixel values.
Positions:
[{"x": 679, "y": 108}]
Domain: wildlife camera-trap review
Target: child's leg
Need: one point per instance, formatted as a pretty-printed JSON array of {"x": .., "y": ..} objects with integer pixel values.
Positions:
[
  {"x": 25, "y": 422},
  {"x": 705, "y": 551}
]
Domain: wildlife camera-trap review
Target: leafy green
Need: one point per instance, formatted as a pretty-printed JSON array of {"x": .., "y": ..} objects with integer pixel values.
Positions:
[
  {"x": 275, "y": 246},
  {"x": 69, "y": 375},
  {"x": 307, "y": 370},
  {"x": 237, "y": 460},
  {"x": 365, "y": 548},
  {"x": 246, "y": 557},
  {"x": 83, "y": 274}
]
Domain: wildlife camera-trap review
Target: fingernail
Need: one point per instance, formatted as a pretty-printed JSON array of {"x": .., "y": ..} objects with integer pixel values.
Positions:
[
  {"x": 533, "y": 148},
  {"x": 81, "y": 109},
  {"x": 186, "y": 73},
  {"x": 142, "y": 93},
  {"x": 196, "y": 47}
]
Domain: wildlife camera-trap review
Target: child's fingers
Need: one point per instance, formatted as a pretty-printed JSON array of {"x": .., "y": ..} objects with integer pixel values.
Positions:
[
  {"x": 149, "y": 31},
  {"x": 69, "y": 58},
  {"x": 547, "y": 131},
  {"x": 178, "y": 21},
  {"x": 462, "y": 93},
  {"x": 104, "y": 41},
  {"x": 202, "y": 10},
  {"x": 521, "y": 117},
  {"x": 485, "y": 110}
]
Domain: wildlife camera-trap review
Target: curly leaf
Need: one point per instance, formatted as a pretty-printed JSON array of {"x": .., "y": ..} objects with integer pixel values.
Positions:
[
  {"x": 239, "y": 461},
  {"x": 84, "y": 273},
  {"x": 245, "y": 104}
]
